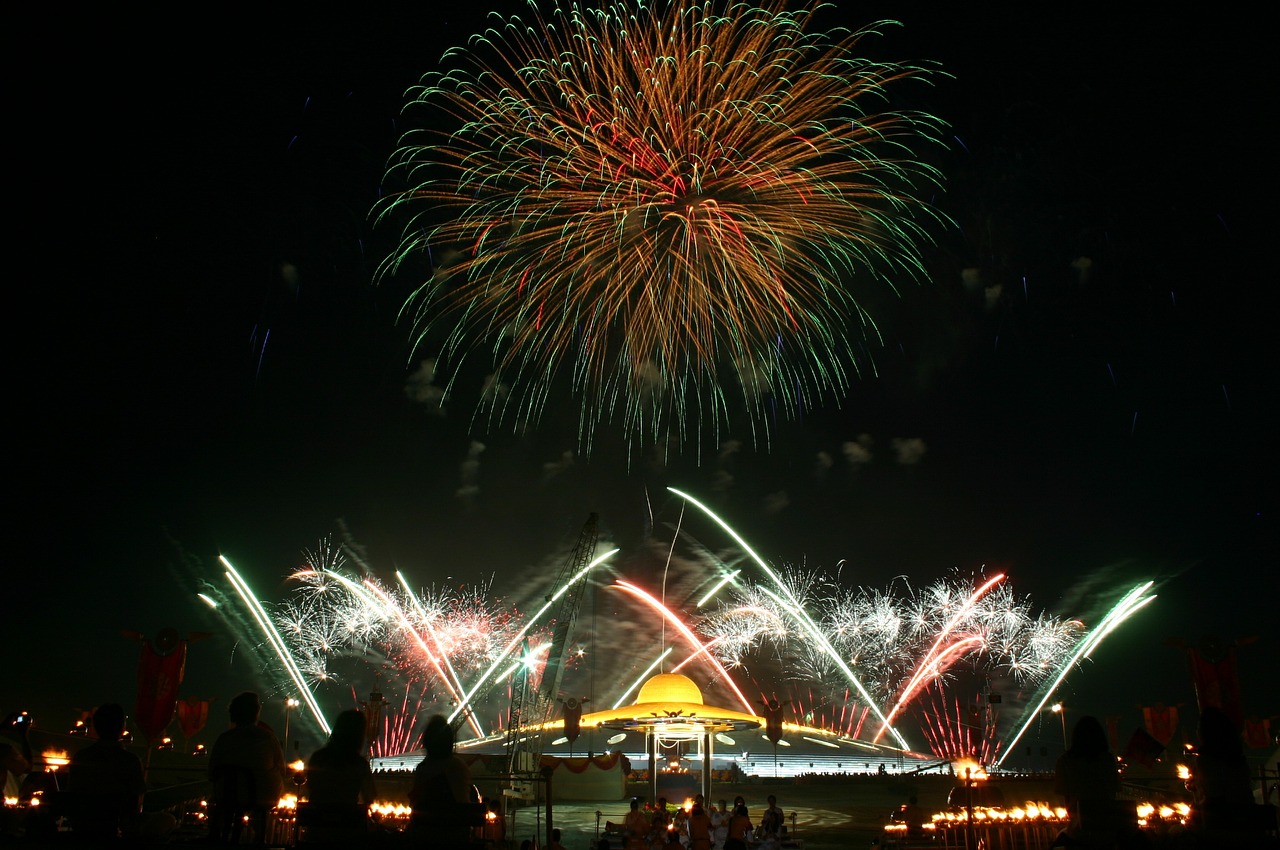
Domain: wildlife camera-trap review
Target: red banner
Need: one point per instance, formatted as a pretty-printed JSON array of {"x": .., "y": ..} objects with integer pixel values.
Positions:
[
  {"x": 1143, "y": 748},
  {"x": 1257, "y": 733},
  {"x": 1161, "y": 721},
  {"x": 193, "y": 714},
  {"x": 1217, "y": 681},
  {"x": 160, "y": 670}
]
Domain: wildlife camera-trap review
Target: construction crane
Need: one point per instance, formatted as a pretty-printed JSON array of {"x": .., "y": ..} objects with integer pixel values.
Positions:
[{"x": 533, "y": 706}]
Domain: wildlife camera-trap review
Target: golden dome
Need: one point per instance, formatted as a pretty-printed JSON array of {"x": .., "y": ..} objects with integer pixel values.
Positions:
[{"x": 670, "y": 687}]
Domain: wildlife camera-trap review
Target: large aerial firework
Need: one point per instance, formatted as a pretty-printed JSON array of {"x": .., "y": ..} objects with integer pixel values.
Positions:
[{"x": 672, "y": 205}]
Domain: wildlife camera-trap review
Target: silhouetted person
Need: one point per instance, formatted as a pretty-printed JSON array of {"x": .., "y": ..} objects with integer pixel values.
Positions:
[
  {"x": 441, "y": 790},
  {"x": 913, "y": 816},
  {"x": 105, "y": 781},
  {"x": 773, "y": 821},
  {"x": 247, "y": 768},
  {"x": 15, "y": 751},
  {"x": 1088, "y": 778},
  {"x": 661, "y": 817},
  {"x": 1220, "y": 781},
  {"x": 339, "y": 785},
  {"x": 636, "y": 825}
]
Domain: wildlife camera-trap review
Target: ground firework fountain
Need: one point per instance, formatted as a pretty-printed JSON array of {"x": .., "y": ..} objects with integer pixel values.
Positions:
[{"x": 858, "y": 661}]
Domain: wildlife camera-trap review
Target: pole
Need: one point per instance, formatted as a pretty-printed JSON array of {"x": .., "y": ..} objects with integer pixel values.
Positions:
[
  {"x": 968, "y": 808},
  {"x": 289, "y": 705},
  {"x": 653, "y": 763},
  {"x": 547, "y": 773},
  {"x": 708, "y": 748},
  {"x": 1060, "y": 709}
]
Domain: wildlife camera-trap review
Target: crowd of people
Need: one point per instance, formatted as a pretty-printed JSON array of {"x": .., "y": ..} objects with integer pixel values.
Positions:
[
  {"x": 101, "y": 798},
  {"x": 702, "y": 826}
]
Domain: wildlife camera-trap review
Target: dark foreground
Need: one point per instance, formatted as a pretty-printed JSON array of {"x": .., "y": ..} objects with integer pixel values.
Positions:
[{"x": 824, "y": 813}]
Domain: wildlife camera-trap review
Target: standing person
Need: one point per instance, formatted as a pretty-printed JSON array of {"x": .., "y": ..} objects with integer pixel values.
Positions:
[
  {"x": 1088, "y": 778},
  {"x": 247, "y": 768},
  {"x": 339, "y": 784},
  {"x": 442, "y": 790},
  {"x": 105, "y": 781},
  {"x": 555, "y": 841},
  {"x": 699, "y": 828},
  {"x": 719, "y": 823},
  {"x": 661, "y": 818},
  {"x": 739, "y": 827}
]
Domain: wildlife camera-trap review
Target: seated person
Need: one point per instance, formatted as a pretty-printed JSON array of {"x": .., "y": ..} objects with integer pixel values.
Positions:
[
  {"x": 247, "y": 768},
  {"x": 339, "y": 784},
  {"x": 104, "y": 782}
]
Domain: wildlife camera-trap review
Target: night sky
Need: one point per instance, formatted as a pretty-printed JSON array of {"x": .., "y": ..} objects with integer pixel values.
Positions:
[{"x": 204, "y": 363}]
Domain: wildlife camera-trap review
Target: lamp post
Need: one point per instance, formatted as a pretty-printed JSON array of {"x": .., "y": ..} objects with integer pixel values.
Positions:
[
  {"x": 289, "y": 705},
  {"x": 1061, "y": 710}
]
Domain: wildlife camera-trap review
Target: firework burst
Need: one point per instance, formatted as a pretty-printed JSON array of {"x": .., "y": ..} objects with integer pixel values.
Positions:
[
  {"x": 899, "y": 640},
  {"x": 673, "y": 206},
  {"x": 429, "y": 644}
]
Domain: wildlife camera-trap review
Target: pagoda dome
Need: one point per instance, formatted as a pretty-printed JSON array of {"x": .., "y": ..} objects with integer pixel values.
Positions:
[{"x": 669, "y": 688}]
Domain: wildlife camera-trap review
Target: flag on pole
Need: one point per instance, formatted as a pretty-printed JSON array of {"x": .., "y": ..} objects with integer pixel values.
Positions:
[{"x": 160, "y": 669}]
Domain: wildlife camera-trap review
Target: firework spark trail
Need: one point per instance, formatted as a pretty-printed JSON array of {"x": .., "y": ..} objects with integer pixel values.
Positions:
[
  {"x": 1128, "y": 605},
  {"x": 899, "y": 640},
  {"x": 397, "y": 734},
  {"x": 426, "y": 621},
  {"x": 931, "y": 665},
  {"x": 645, "y": 674},
  {"x": 738, "y": 628},
  {"x": 397, "y": 614},
  {"x": 481, "y": 682},
  {"x": 958, "y": 732},
  {"x": 801, "y": 617},
  {"x": 703, "y": 649},
  {"x": 452, "y": 680},
  {"x": 655, "y": 200},
  {"x": 277, "y": 642},
  {"x": 669, "y": 616},
  {"x": 902, "y": 643},
  {"x": 710, "y": 594},
  {"x": 341, "y": 616}
]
